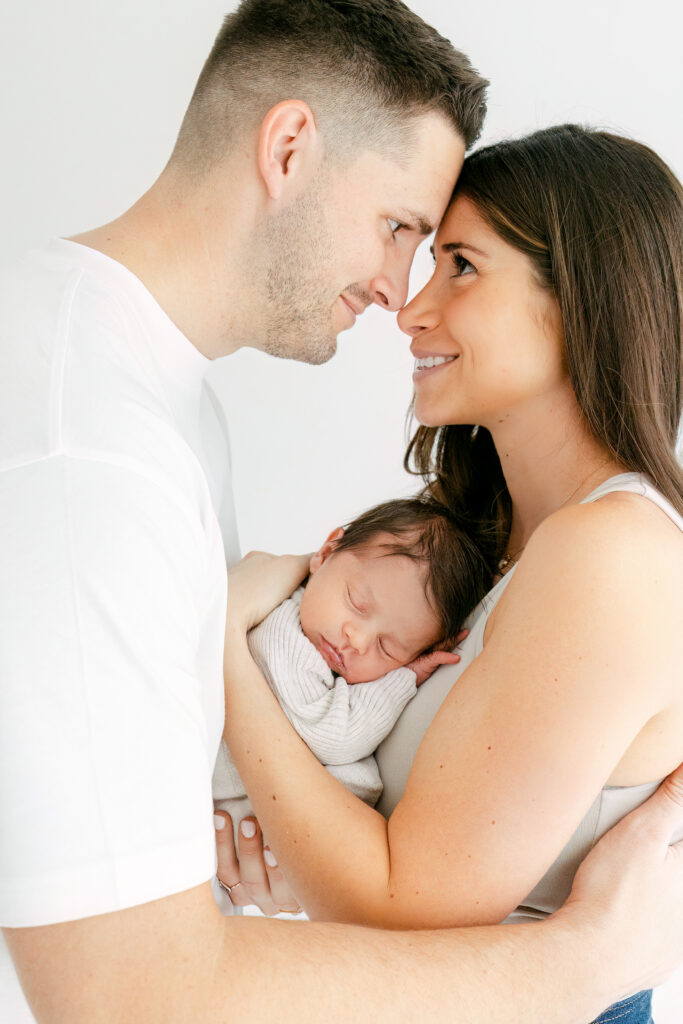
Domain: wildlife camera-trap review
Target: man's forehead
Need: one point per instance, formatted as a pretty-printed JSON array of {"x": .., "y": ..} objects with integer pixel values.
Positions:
[{"x": 418, "y": 181}]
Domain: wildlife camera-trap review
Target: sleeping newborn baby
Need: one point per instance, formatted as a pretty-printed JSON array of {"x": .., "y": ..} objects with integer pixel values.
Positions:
[{"x": 382, "y": 607}]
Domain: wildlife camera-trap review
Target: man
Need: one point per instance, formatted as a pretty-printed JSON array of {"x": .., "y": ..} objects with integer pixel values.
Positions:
[{"x": 320, "y": 146}]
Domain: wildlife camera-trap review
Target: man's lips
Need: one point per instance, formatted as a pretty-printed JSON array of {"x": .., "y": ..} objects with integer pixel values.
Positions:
[
  {"x": 331, "y": 655},
  {"x": 354, "y": 307}
]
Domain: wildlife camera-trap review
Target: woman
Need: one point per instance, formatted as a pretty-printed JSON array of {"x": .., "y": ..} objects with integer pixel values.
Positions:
[{"x": 548, "y": 386}]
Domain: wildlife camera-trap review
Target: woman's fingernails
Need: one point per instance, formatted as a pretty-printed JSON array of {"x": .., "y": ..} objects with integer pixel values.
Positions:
[
  {"x": 218, "y": 822},
  {"x": 248, "y": 829},
  {"x": 269, "y": 858}
]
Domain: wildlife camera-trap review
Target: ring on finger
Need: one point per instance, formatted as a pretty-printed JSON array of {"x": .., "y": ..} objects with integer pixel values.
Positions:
[
  {"x": 228, "y": 888},
  {"x": 285, "y": 910}
]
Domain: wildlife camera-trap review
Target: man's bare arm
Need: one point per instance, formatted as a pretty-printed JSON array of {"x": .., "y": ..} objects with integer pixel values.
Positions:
[{"x": 177, "y": 961}]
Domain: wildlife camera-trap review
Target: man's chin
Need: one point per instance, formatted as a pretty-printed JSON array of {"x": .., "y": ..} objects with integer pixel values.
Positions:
[{"x": 314, "y": 351}]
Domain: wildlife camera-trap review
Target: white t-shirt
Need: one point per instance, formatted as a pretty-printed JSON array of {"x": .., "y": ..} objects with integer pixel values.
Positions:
[{"x": 114, "y": 486}]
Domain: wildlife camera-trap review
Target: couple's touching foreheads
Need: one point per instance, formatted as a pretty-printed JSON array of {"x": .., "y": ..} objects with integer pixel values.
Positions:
[{"x": 450, "y": 732}]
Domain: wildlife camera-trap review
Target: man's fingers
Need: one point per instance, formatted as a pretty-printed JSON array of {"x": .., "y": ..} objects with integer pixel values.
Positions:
[
  {"x": 661, "y": 817},
  {"x": 666, "y": 807}
]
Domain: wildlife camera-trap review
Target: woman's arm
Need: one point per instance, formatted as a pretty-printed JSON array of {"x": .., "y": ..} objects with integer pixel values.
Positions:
[
  {"x": 178, "y": 961},
  {"x": 511, "y": 763}
]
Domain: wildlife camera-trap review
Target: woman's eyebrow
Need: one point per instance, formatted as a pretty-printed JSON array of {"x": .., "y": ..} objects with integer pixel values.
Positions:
[{"x": 456, "y": 246}]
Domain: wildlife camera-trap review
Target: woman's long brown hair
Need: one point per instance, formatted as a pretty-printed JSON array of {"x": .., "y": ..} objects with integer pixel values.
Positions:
[{"x": 601, "y": 218}]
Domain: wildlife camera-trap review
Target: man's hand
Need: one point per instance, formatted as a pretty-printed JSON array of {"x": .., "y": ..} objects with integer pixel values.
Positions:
[
  {"x": 631, "y": 881},
  {"x": 260, "y": 582}
]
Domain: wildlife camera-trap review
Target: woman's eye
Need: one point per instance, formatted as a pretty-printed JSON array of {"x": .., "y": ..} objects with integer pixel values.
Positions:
[
  {"x": 395, "y": 225},
  {"x": 462, "y": 266}
]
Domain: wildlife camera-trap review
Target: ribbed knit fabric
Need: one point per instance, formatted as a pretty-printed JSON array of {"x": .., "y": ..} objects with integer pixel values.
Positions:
[{"x": 341, "y": 723}]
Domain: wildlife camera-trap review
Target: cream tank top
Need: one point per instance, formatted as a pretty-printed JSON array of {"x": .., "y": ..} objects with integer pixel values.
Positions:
[{"x": 395, "y": 754}]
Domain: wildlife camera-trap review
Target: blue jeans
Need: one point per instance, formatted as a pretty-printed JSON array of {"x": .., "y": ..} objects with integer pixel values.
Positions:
[{"x": 634, "y": 1010}]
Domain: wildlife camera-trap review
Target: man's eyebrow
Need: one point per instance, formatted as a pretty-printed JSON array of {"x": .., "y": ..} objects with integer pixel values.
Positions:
[
  {"x": 417, "y": 222},
  {"x": 455, "y": 247}
]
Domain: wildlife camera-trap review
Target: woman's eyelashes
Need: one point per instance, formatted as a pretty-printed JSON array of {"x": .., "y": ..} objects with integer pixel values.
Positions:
[
  {"x": 394, "y": 225},
  {"x": 462, "y": 266}
]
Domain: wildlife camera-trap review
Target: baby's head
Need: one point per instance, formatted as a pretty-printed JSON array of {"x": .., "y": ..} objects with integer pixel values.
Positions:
[{"x": 396, "y": 582}]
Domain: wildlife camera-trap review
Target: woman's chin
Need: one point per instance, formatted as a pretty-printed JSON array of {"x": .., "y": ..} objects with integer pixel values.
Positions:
[{"x": 427, "y": 417}]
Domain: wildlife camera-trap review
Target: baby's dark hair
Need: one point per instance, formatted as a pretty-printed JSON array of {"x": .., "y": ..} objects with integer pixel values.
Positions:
[{"x": 424, "y": 530}]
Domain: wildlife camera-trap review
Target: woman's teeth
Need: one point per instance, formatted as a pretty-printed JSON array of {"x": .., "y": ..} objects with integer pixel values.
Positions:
[{"x": 429, "y": 361}]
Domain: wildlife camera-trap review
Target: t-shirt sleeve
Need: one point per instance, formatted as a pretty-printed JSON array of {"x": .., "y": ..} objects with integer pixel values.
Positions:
[{"x": 105, "y": 763}]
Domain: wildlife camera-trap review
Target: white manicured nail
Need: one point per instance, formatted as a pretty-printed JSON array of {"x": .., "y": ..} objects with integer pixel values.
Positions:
[
  {"x": 218, "y": 822},
  {"x": 269, "y": 859},
  {"x": 248, "y": 829}
]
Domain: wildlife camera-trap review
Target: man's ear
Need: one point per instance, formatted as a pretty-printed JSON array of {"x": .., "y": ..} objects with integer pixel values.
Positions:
[
  {"x": 287, "y": 140},
  {"x": 326, "y": 550}
]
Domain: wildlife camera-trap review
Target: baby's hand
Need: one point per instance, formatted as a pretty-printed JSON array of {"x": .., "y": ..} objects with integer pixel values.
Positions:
[{"x": 425, "y": 664}]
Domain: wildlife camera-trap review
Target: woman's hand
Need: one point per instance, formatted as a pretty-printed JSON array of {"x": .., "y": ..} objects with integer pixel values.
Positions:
[
  {"x": 252, "y": 876},
  {"x": 259, "y": 582}
]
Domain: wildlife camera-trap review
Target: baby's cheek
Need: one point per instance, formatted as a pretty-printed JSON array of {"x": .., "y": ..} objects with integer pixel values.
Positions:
[{"x": 366, "y": 672}]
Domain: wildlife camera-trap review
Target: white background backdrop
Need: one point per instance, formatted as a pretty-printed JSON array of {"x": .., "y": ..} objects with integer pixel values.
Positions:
[{"x": 93, "y": 94}]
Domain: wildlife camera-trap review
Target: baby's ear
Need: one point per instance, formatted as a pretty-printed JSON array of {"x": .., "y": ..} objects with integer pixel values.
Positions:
[{"x": 326, "y": 550}]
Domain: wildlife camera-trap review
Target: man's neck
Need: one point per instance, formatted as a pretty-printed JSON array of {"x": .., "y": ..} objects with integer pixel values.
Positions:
[{"x": 169, "y": 242}]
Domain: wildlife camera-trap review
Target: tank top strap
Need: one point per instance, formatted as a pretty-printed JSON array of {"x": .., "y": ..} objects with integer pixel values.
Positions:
[{"x": 636, "y": 483}]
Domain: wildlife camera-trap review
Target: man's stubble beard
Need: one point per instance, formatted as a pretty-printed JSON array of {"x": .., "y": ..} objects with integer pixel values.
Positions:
[{"x": 296, "y": 248}]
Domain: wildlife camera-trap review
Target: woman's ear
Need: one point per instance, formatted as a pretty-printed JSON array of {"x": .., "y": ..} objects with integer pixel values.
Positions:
[
  {"x": 287, "y": 139},
  {"x": 326, "y": 550}
]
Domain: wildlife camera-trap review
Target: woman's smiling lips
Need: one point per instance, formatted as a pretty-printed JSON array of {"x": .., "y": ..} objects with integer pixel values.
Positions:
[
  {"x": 331, "y": 655},
  {"x": 430, "y": 364}
]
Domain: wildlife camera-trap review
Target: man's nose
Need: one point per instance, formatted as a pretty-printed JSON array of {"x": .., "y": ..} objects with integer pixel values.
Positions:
[{"x": 389, "y": 289}]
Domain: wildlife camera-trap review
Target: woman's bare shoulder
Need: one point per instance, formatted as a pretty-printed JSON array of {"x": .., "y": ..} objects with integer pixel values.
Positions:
[
  {"x": 621, "y": 533},
  {"x": 612, "y": 568}
]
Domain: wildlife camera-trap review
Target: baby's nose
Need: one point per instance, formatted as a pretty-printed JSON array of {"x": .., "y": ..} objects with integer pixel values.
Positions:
[{"x": 358, "y": 637}]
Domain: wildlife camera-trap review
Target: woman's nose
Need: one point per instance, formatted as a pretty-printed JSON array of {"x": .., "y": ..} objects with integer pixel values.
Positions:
[{"x": 419, "y": 315}]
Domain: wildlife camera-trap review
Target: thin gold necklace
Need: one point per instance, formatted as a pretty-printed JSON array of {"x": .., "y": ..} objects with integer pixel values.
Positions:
[{"x": 508, "y": 560}]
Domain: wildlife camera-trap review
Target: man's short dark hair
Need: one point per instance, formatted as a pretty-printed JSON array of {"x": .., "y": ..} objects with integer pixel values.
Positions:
[
  {"x": 365, "y": 67},
  {"x": 424, "y": 530}
]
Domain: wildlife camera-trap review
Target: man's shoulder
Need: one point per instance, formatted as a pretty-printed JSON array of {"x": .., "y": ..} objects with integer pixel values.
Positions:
[{"x": 76, "y": 376}]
